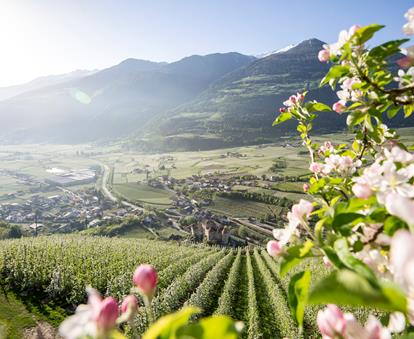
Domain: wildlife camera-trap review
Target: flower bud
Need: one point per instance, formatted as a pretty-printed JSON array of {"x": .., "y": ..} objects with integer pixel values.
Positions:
[
  {"x": 353, "y": 29},
  {"x": 338, "y": 107},
  {"x": 107, "y": 314},
  {"x": 362, "y": 191},
  {"x": 331, "y": 322},
  {"x": 282, "y": 109},
  {"x": 273, "y": 248},
  {"x": 145, "y": 278},
  {"x": 327, "y": 262},
  {"x": 129, "y": 307},
  {"x": 306, "y": 187},
  {"x": 292, "y": 99},
  {"x": 323, "y": 55}
]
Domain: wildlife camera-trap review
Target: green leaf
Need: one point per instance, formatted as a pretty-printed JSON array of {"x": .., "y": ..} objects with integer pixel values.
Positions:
[
  {"x": 294, "y": 255},
  {"x": 392, "y": 111},
  {"x": 393, "y": 224},
  {"x": 317, "y": 107},
  {"x": 298, "y": 295},
  {"x": 345, "y": 219},
  {"x": 386, "y": 49},
  {"x": 282, "y": 117},
  {"x": 346, "y": 257},
  {"x": 408, "y": 110},
  {"x": 335, "y": 72},
  {"x": 355, "y": 118},
  {"x": 218, "y": 326},
  {"x": 365, "y": 33},
  {"x": 167, "y": 326},
  {"x": 345, "y": 287}
]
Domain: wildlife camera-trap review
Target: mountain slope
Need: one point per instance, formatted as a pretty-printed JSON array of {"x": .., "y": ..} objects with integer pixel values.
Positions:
[
  {"x": 239, "y": 108},
  {"x": 42, "y": 82},
  {"x": 110, "y": 103}
]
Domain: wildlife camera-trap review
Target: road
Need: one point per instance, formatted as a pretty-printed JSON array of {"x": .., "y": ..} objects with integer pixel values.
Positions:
[{"x": 108, "y": 193}]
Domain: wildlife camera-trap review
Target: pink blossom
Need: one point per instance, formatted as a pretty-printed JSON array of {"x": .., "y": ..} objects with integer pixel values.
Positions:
[
  {"x": 95, "y": 319},
  {"x": 315, "y": 167},
  {"x": 306, "y": 187},
  {"x": 145, "y": 278},
  {"x": 129, "y": 302},
  {"x": 106, "y": 315},
  {"x": 339, "y": 106},
  {"x": 327, "y": 146},
  {"x": 129, "y": 307},
  {"x": 323, "y": 55},
  {"x": 274, "y": 248},
  {"x": 353, "y": 30},
  {"x": 405, "y": 62},
  {"x": 331, "y": 322},
  {"x": 327, "y": 262},
  {"x": 302, "y": 209},
  {"x": 362, "y": 191}
]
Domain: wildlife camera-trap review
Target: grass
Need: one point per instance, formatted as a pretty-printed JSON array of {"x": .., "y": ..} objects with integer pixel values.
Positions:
[
  {"x": 143, "y": 193},
  {"x": 14, "y": 317},
  {"x": 239, "y": 208}
]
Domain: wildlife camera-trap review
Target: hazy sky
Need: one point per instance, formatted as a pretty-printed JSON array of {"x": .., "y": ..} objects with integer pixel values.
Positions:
[{"x": 41, "y": 37}]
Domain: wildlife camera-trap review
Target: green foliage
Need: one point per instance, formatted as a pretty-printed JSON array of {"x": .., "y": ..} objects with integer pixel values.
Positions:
[{"x": 298, "y": 295}]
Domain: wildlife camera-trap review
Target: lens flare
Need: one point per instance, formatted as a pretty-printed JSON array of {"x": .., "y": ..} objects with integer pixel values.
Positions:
[{"x": 80, "y": 96}]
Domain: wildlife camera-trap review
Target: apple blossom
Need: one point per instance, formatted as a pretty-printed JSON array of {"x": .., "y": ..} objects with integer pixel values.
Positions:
[
  {"x": 323, "y": 55},
  {"x": 282, "y": 109},
  {"x": 331, "y": 322},
  {"x": 129, "y": 307},
  {"x": 339, "y": 106},
  {"x": 106, "y": 315},
  {"x": 145, "y": 279},
  {"x": 95, "y": 319},
  {"x": 315, "y": 167},
  {"x": 326, "y": 147},
  {"x": 327, "y": 262},
  {"x": 362, "y": 191},
  {"x": 306, "y": 187},
  {"x": 274, "y": 248}
]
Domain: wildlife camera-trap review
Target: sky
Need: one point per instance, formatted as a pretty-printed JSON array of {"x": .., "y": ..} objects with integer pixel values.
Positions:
[{"x": 43, "y": 37}]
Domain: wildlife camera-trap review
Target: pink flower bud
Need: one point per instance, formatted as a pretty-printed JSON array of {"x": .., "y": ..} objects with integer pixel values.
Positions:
[
  {"x": 353, "y": 29},
  {"x": 300, "y": 97},
  {"x": 331, "y": 322},
  {"x": 326, "y": 262},
  {"x": 292, "y": 99},
  {"x": 323, "y": 55},
  {"x": 106, "y": 316},
  {"x": 145, "y": 278},
  {"x": 338, "y": 107},
  {"x": 306, "y": 187},
  {"x": 405, "y": 62},
  {"x": 130, "y": 303},
  {"x": 315, "y": 167},
  {"x": 282, "y": 110},
  {"x": 273, "y": 248},
  {"x": 362, "y": 191}
]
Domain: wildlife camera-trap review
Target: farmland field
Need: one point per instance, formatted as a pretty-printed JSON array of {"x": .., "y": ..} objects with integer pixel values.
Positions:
[
  {"x": 143, "y": 193},
  {"x": 208, "y": 277},
  {"x": 240, "y": 208}
]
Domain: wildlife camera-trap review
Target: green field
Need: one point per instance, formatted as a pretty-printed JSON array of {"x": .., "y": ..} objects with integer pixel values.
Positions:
[
  {"x": 243, "y": 283},
  {"x": 241, "y": 208},
  {"x": 143, "y": 193}
]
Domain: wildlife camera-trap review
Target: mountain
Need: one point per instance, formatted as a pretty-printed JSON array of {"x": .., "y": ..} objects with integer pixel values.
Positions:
[
  {"x": 41, "y": 82},
  {"x": 239, "y": 108},
  {"x": 113, "y": 102}
]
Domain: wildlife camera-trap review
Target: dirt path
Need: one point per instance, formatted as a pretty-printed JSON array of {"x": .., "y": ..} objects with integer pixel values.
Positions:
[{"x": 43, "y": 330}]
